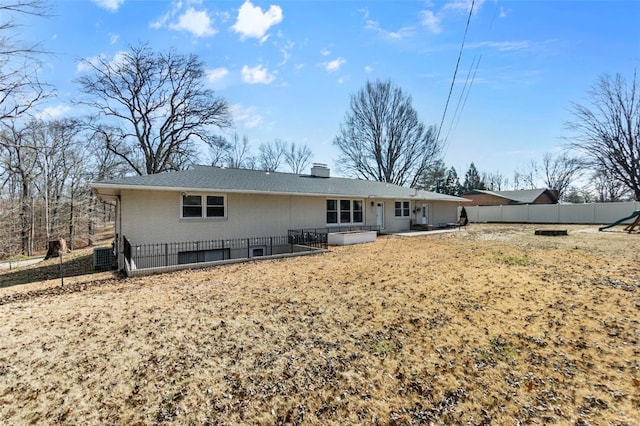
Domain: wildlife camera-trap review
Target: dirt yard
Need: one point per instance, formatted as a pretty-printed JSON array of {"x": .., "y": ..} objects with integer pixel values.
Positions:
[{"x": 488, "y": 325}]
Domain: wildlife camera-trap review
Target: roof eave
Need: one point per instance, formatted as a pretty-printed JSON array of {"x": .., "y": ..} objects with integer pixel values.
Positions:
[{"x": 113, "y": 190}]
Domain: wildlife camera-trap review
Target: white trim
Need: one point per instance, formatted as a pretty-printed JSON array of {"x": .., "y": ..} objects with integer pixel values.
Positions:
[
  {"x": 203, "y": 206},
  {"x": 194, "y": 190},
  {"x": 402, "y": 210},
  {"x": 339, "y": 211}
]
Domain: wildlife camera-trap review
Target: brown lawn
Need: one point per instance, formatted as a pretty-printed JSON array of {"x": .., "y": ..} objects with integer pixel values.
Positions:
[{"x": 486, "y": 325}]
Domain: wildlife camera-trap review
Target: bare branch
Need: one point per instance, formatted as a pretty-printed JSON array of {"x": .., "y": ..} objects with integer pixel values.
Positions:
[
  {"x": 607, "y": 131},
  {"x": 159, "y": 102},
  {"x": 382, "y": 138}
]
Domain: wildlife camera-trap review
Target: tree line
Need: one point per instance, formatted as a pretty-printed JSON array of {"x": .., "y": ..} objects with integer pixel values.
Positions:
[
  {"x": 151, "y": 112},
  {"x": 381, "y": 138}
]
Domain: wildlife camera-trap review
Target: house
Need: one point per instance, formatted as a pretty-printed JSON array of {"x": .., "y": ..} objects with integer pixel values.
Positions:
[
  {"x": 208, "y": 203},
  {"x": 480, "y": 197}
]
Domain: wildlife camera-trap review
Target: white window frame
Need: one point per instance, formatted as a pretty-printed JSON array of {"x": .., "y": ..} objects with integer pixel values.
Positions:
[
  {"x": 203, "y": 206},
  {"x": 405, "y": 213},
  {"x": 339, "y": 211}
]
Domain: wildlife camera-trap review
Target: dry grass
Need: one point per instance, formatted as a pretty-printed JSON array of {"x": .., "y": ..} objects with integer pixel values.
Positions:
[{"x": 487, "y": 325}]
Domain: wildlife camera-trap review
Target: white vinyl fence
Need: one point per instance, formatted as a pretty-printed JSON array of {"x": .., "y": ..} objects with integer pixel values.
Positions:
[{"x": 592, "y": 213}]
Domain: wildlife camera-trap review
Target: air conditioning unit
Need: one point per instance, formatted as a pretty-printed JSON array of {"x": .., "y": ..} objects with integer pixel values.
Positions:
[{"x": 103, "y": 259}]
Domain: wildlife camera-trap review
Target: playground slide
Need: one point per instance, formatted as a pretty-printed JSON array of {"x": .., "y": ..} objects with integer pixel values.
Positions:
[{"x": 617, "y": 222}]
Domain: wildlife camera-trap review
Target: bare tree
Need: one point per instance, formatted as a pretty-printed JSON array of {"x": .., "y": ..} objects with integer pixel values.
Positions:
[
  {"x": 560, "y": 171},
  {"x": 382, "y": 138},
  {"x": 297, "y": 157},
  {"x": 607, "y": 130},
  {"x": 271, "y": 155},
  {"x": 19, "y": 161},
  {"x": 495, "y": 181},
  {"x": 608, "y": 188},
  {"x": 219, "y": 148},
  {"x": 20, "y": 88},
  {"x": 159, "y": 102},
  {"x": 527, "y": 176},
  {"x": 239, "y": 154}
]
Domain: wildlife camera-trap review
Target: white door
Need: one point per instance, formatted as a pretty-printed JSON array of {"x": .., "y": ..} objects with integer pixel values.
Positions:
[
  {"x": 380, "y": 215},
  {"x": 425, "y": 214}
]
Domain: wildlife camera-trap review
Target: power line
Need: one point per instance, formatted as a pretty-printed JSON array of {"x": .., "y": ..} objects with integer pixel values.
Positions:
[
  {"x": 455, "y": 72},
  {"x": 460, "y": 100},
  {"x": 473, "y": 77}
]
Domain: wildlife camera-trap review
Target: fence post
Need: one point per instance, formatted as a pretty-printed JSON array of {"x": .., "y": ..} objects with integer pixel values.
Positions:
[
  {"x": 270, "y": 245},
  {"x": 248, "y": 248},
  {"x": 166, "y": 254}
]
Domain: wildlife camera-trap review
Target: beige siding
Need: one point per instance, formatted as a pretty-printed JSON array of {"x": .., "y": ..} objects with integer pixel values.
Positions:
[
  {"x": 155, "y": 217},
  {"x": 443, "y": 213}
]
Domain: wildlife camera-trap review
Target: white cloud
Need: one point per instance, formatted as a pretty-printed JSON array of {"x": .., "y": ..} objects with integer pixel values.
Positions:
[
  {"x": 464, "y": 5},
  {"x": 94, "y": 61},
  {"x": 252, "y": 22},
  {"x": 368, "y": 69},
  {"x": 286, "y": 52},
  {"x": 431, "y": 21},
  {"x": 54, "y": 112},
  {"x": 504, "y": 12},
  {"x": 113, "y": 38},
  {"x": 216, "y": 74},
  {"x": 257, "y": 74},
  {"x": 325, "y": 52},
  {"x": 85, "y": 64},
  {"x": 248, "y": 117},
  {"x": 402, "y": 33},
  {"x": 502, "y": 46},
  {"x": 110, "y": 5},
  {"x": 335, "y": 64},
  {"x": 197, "y": 22}
]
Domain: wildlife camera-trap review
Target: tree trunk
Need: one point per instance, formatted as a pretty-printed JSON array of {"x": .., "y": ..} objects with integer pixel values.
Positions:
[{"x": 71, "y": 224}]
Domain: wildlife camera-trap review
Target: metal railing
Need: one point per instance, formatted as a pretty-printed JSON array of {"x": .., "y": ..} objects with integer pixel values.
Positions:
[
  {"x": 310, "y": 235},
  {"x": 159, "y": 255}
]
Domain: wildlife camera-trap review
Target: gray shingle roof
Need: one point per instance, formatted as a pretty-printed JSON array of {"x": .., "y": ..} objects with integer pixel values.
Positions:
[
  {"x": 258, "y": 181},
  {"x": 521, "y": 196}
]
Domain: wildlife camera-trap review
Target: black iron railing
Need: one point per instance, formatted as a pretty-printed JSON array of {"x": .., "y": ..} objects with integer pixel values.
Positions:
[
  {"x": 311, "y": 235},
  {"x": 159, "y": 255}
]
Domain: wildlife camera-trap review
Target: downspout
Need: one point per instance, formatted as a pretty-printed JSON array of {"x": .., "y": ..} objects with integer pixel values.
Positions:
[{"x": 120, "y": 242}]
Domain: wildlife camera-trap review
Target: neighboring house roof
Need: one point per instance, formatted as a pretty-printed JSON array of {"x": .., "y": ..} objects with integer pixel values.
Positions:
[
  {"x": 208, "y": 178},
  {"x": 522, "y": 196}
]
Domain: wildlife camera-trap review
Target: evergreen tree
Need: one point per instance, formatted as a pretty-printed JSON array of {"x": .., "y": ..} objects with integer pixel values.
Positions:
[
  {"x": 452, "y": 183},
  {"x": 433, "y": 178},
  {"x": 472, "y": 179}
]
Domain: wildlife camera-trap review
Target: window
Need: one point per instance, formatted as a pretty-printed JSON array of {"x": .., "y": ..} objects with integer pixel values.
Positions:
[
  {"x": 332, "y": 211},
  {"x": 345, "y": 211},
  {"x": 215, "y": 206},
  {"x": 197, "y": 256},
  {"x": 402, "y": 209},
  {"x": 192, "y": 206},
  {"x": 357, "y": 211}
]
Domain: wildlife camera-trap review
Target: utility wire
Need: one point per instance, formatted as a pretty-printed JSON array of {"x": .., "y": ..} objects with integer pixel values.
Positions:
[
  {"x": 460, "y": 100},
  {"x": 473, "y": 77},
  {"x": 455, "y": 72}
]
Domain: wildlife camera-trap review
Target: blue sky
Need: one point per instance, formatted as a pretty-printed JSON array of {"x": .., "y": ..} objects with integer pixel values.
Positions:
[{"x": 288, "y": 68}]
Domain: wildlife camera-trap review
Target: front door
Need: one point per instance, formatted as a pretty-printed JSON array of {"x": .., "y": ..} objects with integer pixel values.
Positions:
[{"x": 380, "y": 215}]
